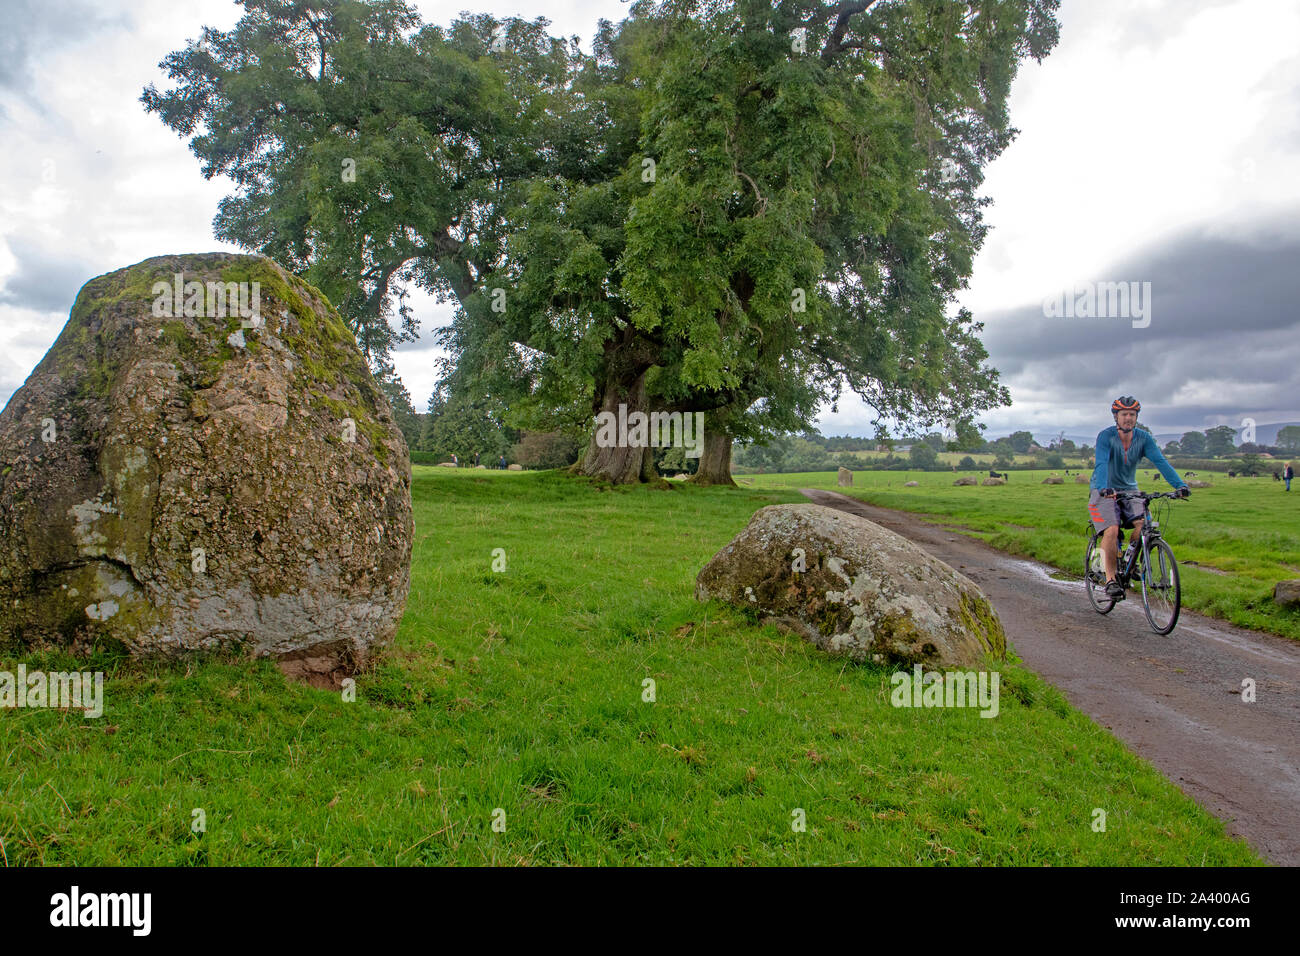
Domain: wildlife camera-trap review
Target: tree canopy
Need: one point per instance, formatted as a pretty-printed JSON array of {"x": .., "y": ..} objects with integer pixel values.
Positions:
[{"x": 738, "y": 208}]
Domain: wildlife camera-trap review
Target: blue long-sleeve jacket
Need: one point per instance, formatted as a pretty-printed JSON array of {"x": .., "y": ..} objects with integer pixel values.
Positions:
[{"x": 1118, "y": 469}]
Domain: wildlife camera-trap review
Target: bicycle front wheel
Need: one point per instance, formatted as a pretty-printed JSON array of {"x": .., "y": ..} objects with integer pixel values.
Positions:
[
  {"x": 1094, "y": 577},
  {"x": 1161, "y": 592}
]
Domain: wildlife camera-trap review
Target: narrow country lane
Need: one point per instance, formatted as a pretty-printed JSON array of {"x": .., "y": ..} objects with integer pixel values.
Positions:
[{"x": 1174, "y": 700}]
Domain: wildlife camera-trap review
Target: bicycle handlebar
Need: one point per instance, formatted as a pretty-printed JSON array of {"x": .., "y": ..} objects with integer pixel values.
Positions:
[{"x": 1147, "y": 495}]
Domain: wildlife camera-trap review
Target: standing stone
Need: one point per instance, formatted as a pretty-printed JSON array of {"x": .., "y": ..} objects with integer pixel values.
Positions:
[
  {"x": 845, "y": 477},
  {"x": 186, "y": 473}
]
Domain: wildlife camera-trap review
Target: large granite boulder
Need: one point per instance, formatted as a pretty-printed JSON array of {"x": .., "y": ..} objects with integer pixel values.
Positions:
[
  {"x": 850, "y": 586},
  {"x": 844, "y": 477},
  {"x": 196, "y": 465}
]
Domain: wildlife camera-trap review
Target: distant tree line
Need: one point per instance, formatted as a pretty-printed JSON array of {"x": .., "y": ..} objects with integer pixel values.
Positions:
[
  {"x": 1217, "y": 443},
  {"x": 812, "y": 451}
]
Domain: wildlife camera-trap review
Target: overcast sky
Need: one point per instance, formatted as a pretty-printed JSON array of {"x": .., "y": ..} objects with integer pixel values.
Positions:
[{"x": 1160, "y": 143}]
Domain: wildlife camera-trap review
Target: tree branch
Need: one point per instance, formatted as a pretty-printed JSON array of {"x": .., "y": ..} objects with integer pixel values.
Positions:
[{"x": 843, "y": 10}]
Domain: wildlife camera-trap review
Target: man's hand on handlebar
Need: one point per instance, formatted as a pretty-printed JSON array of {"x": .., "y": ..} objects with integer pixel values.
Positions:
[
  {"x": 1108, "y": 492},
  {"x": 1184, "y": 492}
]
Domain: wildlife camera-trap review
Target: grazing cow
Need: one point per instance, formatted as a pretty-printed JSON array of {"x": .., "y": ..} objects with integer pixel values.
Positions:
[{"x": 1232, "y": 474}]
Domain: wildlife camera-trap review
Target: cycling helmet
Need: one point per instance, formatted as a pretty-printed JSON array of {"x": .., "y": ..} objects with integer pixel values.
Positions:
[{"x": 1125, "y": 403}]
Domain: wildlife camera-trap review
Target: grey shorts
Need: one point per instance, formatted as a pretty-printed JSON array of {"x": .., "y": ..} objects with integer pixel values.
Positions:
[{"x": 1105, "y": 512}]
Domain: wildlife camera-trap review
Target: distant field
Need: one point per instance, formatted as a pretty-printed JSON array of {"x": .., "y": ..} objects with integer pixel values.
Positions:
[
  {"x": 953, "y": 457},
  {"x": 1243, "y": 532},
  {"x": 519, "y": 697}
]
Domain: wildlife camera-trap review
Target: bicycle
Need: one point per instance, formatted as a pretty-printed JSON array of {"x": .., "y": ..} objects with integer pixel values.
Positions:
[{"x": 1149, "y": 560}]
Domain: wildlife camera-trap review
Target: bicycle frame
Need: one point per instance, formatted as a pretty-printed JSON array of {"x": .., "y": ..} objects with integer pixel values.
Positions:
[{"x": 1150, "y": 532}]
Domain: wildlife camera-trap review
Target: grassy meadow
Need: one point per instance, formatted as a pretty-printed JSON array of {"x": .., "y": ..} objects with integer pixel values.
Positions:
[
  {"x": 955, "y": 457},
  {"x": 1242, "y": 533},
  {"x": 512, "y": 720}
]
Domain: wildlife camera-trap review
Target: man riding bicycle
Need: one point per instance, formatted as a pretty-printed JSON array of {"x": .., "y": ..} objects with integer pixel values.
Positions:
[{"x": 1119, "y": 449}]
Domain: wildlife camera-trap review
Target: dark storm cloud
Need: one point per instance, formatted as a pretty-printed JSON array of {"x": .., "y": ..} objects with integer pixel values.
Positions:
[
  {"x": 32, "y": 27},
  {"x": 46, "y": 280},
  {"x": 1223, "y": 311}
]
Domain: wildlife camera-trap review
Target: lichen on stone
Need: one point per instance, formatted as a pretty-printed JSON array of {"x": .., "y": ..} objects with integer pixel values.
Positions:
[
  {"x": 179, "y": 434},
  {"x": 871, "y": 594}
]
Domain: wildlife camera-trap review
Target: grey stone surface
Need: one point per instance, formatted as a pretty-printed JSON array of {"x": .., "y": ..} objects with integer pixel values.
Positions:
[
  {"x": 862, "y": 591},
  {"x": 1287, "y": 593},
  {"x": 182, "y": 482}
]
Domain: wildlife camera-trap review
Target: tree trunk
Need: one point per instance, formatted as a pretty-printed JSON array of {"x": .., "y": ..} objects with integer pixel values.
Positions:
[
  {"x": 715, "y": 463},
  {"x": 620, "y": 465}
]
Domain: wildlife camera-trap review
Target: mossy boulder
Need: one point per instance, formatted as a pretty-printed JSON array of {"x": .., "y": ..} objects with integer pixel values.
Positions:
[
  {"x": 852, "y": 587},
  {"x": 1287, "y": 593},
  {"x": 179, "y": 479}
]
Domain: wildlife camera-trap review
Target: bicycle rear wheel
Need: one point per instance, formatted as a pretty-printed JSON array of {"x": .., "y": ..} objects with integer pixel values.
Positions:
[
  {"x": 1094, "y": 577},
  {"x": 1161, "y": 591}
]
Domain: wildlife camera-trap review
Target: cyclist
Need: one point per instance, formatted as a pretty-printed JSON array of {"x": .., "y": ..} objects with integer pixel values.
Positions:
[{"x": 1119, "y": 450}]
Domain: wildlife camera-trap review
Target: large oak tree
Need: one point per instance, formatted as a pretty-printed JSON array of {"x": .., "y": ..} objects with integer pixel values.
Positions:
[{"x": 736, "y": 208}]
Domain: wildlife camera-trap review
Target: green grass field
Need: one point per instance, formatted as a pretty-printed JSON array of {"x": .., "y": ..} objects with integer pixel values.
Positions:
[
  {"x": 1242, "y": 533},
  {"x": 519, "y": 697},
  {"x": 953, "y": 457}
]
